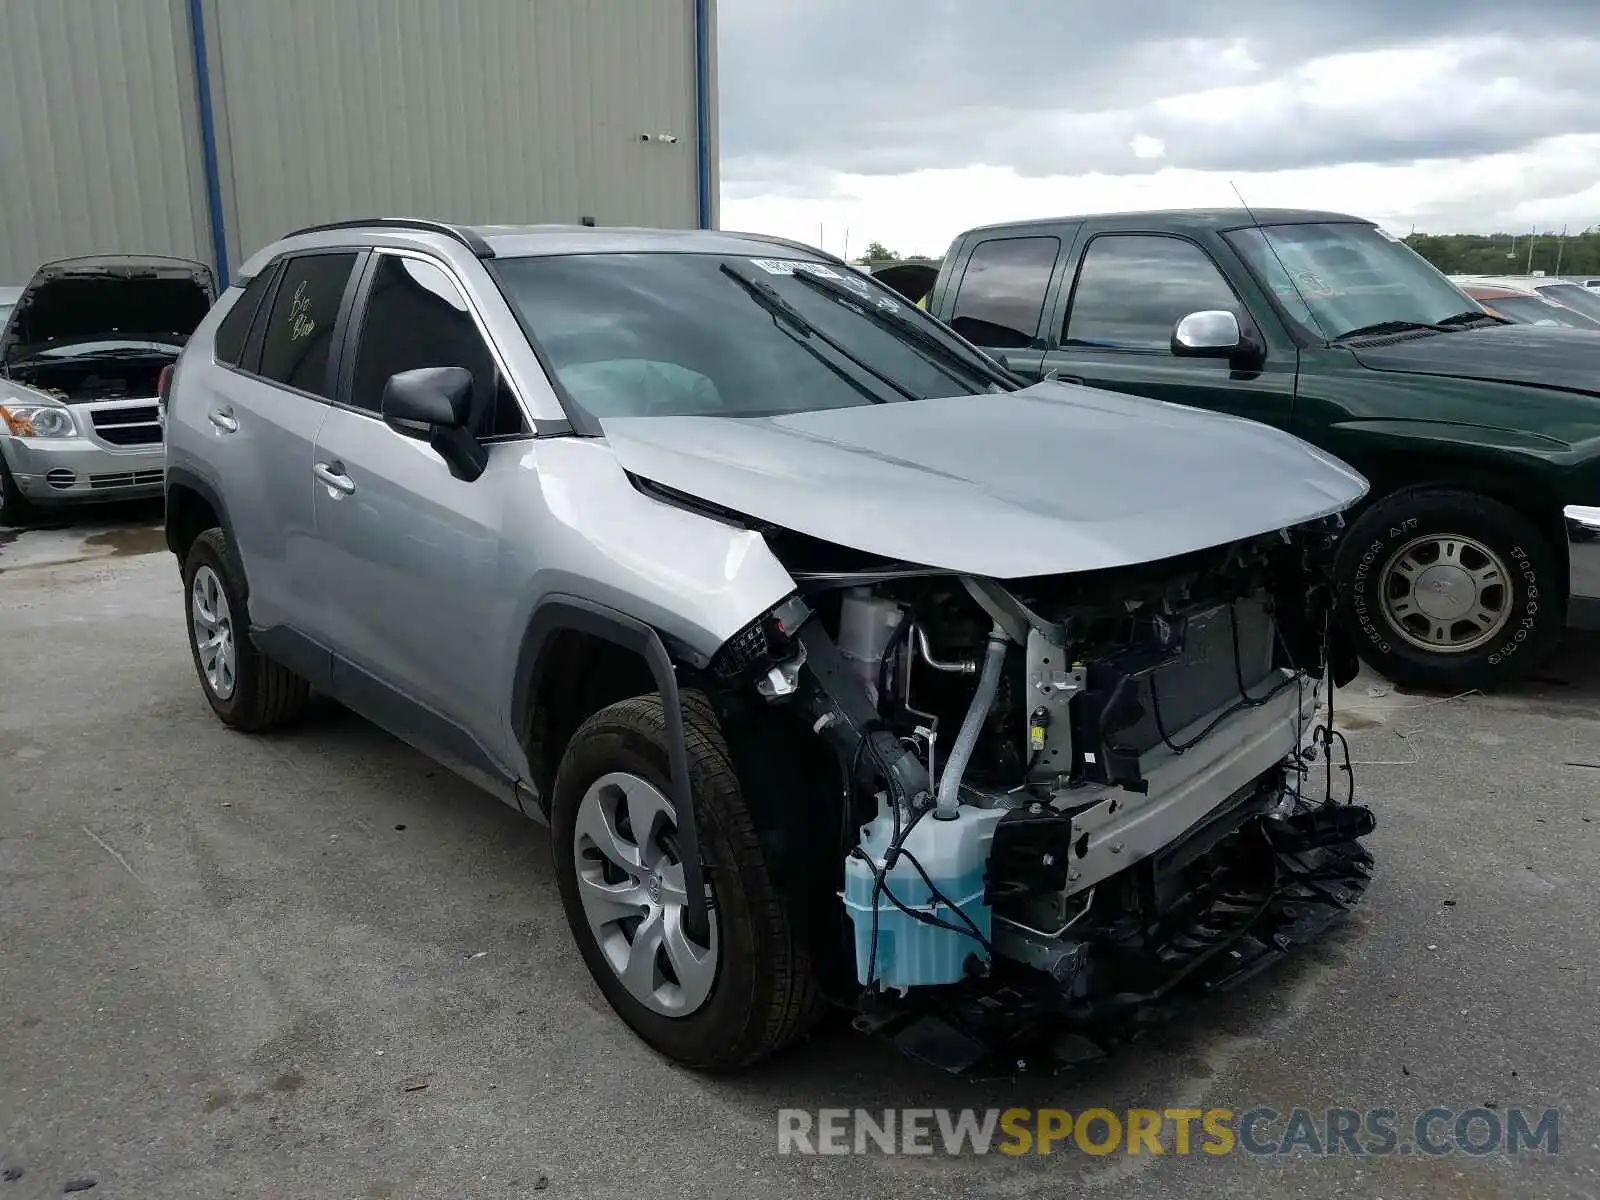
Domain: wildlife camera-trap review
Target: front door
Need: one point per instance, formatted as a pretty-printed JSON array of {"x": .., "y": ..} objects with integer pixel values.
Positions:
[
  {"x": 408, "y": 553},
  {"x": 1130, "y": 291}
]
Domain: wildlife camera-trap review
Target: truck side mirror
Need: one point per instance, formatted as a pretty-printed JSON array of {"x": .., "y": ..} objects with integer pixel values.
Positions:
[{"x": 1214, "y": 333}]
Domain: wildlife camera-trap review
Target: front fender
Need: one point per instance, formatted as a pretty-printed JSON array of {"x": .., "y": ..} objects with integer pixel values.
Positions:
[{"x": 562, "y": 612}]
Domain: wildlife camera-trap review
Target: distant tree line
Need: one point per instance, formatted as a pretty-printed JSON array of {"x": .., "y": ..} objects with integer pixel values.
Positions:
[
  {"x": 877, "y": 254},
  {"x": 1508, "y": 254}
]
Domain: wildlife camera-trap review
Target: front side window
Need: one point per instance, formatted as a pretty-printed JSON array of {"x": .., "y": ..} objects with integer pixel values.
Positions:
[
  {"x": 1002, "y": 291},
  {"x": 299, "y": 332},
  {"x": 1338, "y": 278},
  {"x": 676, "y": 334},
  {"x": 417, "y": 317},
  {"x": 1133, "y": 289}
]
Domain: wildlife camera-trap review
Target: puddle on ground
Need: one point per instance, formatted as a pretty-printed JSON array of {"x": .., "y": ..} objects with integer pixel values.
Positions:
[
  {"x": 1346, "y": 719},
  {"x": 124, "y": 543}
]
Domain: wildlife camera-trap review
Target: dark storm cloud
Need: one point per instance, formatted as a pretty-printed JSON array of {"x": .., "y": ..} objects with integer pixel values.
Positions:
[{"x": 1063, "y": 87}]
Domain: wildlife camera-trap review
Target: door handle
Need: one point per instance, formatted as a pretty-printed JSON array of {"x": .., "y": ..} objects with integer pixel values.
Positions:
[
  {"x": 222, "y": 418},
  {"x": 333, "y": 476}
]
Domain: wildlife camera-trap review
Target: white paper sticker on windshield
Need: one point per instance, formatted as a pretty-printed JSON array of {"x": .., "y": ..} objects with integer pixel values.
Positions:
[{"x": 788, "y": 266}]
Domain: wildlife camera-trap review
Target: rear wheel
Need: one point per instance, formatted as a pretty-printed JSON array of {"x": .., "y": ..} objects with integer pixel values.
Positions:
[
  {"x": 722, "y": 1001},
  {"x": 1450, "y": 590},
  {"x": 245, "y": 688}
]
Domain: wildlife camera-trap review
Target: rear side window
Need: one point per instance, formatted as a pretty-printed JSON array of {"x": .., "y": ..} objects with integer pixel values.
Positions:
[
  {"x": 417, "y": 317},
  {"x": 235, "y": 327},
  {"x": 1002, "y": 291},
  {"x": 299, "y": 333},
  {"x": 1134, "y": 288}
]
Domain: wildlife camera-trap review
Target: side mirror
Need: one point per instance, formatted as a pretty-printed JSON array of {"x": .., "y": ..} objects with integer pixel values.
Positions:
[
  {"x": 435, "y": 397},
  {"x": 1214, "y": 333},
  {"x": 434, "y": 404}
]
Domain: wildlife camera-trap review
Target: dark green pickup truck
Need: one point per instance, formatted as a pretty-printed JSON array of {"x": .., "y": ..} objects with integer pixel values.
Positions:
[{"x": 1480, "y": 538}]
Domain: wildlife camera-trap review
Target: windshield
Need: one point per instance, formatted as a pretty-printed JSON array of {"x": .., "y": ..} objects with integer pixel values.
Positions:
[
  {"x": 1530, "y": 310},
  {"x": 1574, "y": 297},
  {"x": 657, "y": 334},
  {"x": 1336, "y": 278}
]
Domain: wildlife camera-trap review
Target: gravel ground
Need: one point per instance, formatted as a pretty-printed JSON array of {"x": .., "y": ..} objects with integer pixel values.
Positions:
[{"x": 316, "y": 965}]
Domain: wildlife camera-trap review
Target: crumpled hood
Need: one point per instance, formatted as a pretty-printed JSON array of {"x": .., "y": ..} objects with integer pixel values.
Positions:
[
  {"x": 1051, "y": 479},
  {"x": 106, "y": 296},
  {"x": 1541, "y": 355}
]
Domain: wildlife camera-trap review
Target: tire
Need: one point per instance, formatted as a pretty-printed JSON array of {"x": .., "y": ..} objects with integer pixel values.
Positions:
[
  {"x": 15, "y": 509},
  {"x": 263, "y": 694},
  {"x": 1396, "y": 558},
  {"x": 763, "y": 995}
]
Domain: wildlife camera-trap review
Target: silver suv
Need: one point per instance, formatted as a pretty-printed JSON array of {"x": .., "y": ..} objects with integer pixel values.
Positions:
[{"x": 844, "y": 667}]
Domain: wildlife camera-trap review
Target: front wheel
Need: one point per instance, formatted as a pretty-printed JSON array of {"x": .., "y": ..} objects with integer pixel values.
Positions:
[
  {"x": 1450, "y": 590},
  {"x": 719, "y": 1001},
  {"x": 15, "y": 509}
]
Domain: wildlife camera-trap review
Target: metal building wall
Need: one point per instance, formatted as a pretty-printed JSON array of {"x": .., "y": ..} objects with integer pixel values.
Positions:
[
  {"x": 485, "y": 111},
  {"x": 99, "y": 137},
  {"x": 317, "y": 110}
]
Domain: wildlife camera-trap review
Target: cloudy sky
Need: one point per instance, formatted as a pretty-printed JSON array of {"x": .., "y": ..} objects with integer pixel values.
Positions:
[{"x": 906, "y": 121}]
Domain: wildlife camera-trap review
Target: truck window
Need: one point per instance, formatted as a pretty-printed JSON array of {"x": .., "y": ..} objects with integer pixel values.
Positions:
[
  {"x": 1133, "y": 288},
  {"x": 1002, "y": 291}
]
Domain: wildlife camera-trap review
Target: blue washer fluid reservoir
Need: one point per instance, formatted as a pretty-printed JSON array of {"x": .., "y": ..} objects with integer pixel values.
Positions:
[{"x": 955, "y": 854}]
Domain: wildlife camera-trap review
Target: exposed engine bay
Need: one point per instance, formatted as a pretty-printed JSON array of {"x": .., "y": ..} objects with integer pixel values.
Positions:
[
  {"x": 102, "y": 328},
  {"x": 132, "y": 373},
  {"x": 1069, "y": 799}
]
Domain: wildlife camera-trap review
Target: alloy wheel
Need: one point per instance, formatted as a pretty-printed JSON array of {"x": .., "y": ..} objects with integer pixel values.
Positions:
[{"x": 212, "y": 624}]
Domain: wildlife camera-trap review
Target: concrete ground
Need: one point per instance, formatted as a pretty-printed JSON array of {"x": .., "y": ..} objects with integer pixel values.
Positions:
[{"x": 315, "y": 965}]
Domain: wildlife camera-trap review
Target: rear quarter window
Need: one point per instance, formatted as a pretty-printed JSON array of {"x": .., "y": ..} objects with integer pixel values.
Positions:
[{"x": 234, "y": 328}]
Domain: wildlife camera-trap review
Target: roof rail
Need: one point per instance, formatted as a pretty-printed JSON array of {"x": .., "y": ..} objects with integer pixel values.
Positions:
[{"x": 466, "y": 237}]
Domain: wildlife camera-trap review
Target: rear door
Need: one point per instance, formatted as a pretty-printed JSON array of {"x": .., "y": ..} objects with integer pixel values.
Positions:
[
  {"x": 1001, "y": 286},
  {"x": 262, "y": 415},
  {"x": 1115, "y": 329},
  {"x": 407, "y": 554}
]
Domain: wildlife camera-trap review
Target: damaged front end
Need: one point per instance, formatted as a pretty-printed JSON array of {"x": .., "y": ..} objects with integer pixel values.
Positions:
[{"x": 1066, "y": 803}]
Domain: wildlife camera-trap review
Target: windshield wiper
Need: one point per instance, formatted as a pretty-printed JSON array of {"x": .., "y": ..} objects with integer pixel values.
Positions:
[
  {"x": 904, "y": 328},
  {"x": 767, "y": 296},
  {"x": 1381, "y": 327},
  {"x": 1463, "y": 319}
]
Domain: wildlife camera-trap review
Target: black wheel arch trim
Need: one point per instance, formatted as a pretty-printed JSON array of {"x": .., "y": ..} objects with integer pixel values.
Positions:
[
  {"x": 186, "y": 477},
  {"x": 560, "y": 612}
]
